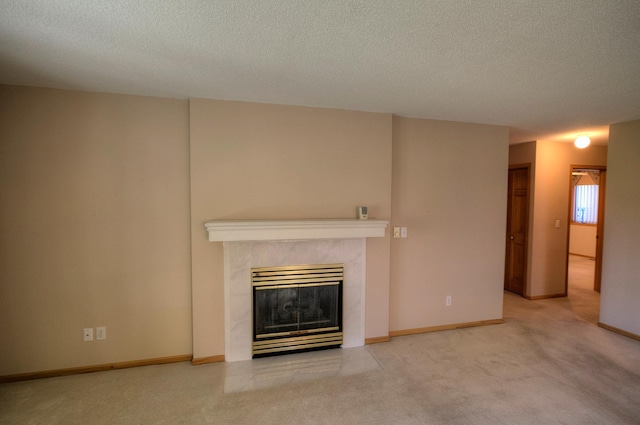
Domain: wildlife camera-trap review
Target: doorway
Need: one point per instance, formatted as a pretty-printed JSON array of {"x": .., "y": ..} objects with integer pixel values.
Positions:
[
  {"x": 585, "y": 234},
  {"x": 515, "y": 273}
]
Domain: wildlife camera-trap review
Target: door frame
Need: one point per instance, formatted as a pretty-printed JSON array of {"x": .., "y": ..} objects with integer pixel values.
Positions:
[
  {"x": 599, "y": 225},
  {"x": 525, "y": 279}
]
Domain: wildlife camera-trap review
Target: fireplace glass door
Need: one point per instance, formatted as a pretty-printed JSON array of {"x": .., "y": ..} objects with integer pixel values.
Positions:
[{"x": 297, "y": 308}]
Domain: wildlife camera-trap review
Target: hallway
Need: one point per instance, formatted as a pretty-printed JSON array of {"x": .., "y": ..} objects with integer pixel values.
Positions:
[{"x": 585, "y": 302}]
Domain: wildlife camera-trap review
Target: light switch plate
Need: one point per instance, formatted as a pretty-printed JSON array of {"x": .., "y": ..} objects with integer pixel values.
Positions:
[{"x": 101, "y": 333}]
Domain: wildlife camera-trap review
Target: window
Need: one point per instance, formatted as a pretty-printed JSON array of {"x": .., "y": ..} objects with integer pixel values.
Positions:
[{"x": 585, "y": 204}]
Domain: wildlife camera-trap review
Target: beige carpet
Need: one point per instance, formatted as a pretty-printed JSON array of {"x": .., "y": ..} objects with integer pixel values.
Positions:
[
  {"x": 547, "y": 364},
  {"x": 585, "y": 302}
]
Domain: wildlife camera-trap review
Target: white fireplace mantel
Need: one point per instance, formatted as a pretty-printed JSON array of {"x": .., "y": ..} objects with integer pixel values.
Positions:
[{"x": 274, "y": 230}]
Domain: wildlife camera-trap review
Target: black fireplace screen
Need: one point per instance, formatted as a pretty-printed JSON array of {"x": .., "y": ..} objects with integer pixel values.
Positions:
[{"x": 297, "y": 308}]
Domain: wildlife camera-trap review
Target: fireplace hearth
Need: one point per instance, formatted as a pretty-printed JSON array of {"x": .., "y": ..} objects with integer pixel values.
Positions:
[{"x": 296, "y": 308}]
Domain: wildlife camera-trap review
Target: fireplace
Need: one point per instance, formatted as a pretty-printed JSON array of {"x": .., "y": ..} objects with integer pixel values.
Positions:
[
  {"x": 249, "y": 244},
  {"x": 296, "y": 308}
]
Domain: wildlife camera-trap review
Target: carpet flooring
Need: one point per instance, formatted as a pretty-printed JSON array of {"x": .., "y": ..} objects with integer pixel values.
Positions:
[{"x": 547, "y": 364}]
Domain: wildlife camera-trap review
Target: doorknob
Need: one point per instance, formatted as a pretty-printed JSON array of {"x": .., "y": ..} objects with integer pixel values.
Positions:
[{"x": 511, "y": 237}]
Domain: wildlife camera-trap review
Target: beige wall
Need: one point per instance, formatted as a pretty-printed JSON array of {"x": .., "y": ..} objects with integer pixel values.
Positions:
[
  {"x": 548, "y": 244},
  {"x": 94, "y": 218},
  {"x": 450, "y": 191},
  {"x": 582, "y": 240},
  {"x": 259, "y": 161},
  {"x": 96, "y": 192},
  {"x": 620, "y": 267}
]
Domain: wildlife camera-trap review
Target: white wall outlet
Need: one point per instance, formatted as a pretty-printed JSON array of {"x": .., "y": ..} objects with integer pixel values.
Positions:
[
  {"x": 88, "y": 334},
  {"x": 396, "y": 232},
  {"x": 557, "y": 224},
  {"x": 101, "y": 333},
  {"x": 447, "y": 300},
  {"x": 403, "y": 232}
]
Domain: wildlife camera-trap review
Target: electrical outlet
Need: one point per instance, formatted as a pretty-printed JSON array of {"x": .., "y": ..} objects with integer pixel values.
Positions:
[
  {"x": 403, "y": 232},
  {"x": 101, "y": 333},
  {"x": 88, "y": 334},
  {"x": 447, "y": 300}
]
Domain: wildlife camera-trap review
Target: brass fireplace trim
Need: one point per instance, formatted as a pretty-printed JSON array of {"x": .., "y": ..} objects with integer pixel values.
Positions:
[
  {"x": 298, "y": 284},
  {"x": 297, "y": 276},
  {"x": 294, "y": 333},
  {"x": 297, "y": 343},
  {"x": 302, "y": 274}
]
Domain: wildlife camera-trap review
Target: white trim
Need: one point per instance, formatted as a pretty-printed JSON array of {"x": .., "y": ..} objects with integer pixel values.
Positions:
[
  {"x": 358, "y": 341},
  {"x": 278, "y": 230}
]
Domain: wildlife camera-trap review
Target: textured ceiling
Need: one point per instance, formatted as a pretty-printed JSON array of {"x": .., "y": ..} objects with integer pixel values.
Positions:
[{"x": 547, "y": 69}]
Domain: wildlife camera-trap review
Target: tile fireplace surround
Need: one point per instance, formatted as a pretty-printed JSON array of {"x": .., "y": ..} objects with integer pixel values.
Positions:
[{"x": 272, "y": 243}]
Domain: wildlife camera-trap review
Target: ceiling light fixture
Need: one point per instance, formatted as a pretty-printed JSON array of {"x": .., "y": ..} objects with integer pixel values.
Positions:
[{"x": 582, "y": 142}]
